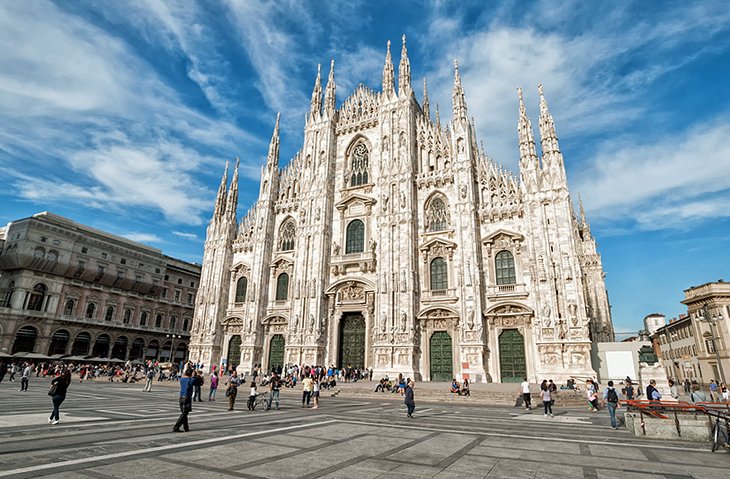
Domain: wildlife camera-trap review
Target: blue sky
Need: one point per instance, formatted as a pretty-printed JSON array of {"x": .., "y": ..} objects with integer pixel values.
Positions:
[{"x": 121, "y": 115}]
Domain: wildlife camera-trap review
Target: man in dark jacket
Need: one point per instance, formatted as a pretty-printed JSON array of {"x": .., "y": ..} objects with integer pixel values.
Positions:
[
  {"x": 409, "y": 401},
  {"x": 186, "y": 401}
]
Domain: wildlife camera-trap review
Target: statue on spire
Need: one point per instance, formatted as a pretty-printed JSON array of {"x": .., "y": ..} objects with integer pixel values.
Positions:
[
  {"x": 388, "y": 75},
  {"x": 220, "y": 200},
  {"x": 272, "y": 159},
  {"x": 548, "y": 137},
  {"x": 329, "y": 96},
  {"x": 232, "y": 202},
  {"x": 404, "y": 71}
]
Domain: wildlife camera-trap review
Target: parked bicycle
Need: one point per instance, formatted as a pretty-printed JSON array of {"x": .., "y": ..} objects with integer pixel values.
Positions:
[
  {"x": 720, "y": 434},
  {"x": 263, "y": 401}
]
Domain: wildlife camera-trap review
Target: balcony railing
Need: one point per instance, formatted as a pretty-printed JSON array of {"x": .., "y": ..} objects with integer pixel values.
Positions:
[
  {"x": 437, "y": 295},
  {"x": 507, "y": 290}
]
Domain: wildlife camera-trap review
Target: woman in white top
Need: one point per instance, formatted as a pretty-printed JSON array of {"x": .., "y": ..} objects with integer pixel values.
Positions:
[
  {"x": 315, "y": 393},
  {"x": 252, "y": 397}
]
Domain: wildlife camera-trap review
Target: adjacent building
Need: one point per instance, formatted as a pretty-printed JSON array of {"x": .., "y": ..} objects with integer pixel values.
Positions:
[
  {"x": 392, "y": 241},
  {"x": 69, "y": 289},
  {"x": 678, "y": 349}
]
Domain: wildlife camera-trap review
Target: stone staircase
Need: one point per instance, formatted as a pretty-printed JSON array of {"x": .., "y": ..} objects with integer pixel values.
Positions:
[{"x": 501, "y": 394}]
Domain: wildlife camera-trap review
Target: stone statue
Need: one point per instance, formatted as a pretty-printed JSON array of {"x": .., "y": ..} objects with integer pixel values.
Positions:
[
  {"x": 372, "y": 244},
  {"x": 383, "y": 320},
  {"x": 546, "y": 310},
  {"x": 311, "y": 323},
  {"x": 336, "y": 248},
  {"x": 403, "y": 320},
  {"x": 470, "y": 320},
  {"x": 295, "y": 323}
]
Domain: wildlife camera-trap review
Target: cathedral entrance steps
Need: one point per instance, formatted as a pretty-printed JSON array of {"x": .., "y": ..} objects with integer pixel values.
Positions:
[{"x": 481, "y": 393}]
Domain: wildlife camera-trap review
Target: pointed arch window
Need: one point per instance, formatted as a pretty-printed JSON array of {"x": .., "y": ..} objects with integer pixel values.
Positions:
[
  {"x": 241, "y": 287},
  {"x": 286, "y": 236},
  {"x": 437, "y": 215},
  {"x": 504, "y": 264},
  {"x": 35, "y": 301},
  {"x": 439, "y": 275},
  {"x": 282, "y": 287},
  {"x": 355, "y": 241},
  {"x": 360, "y": 165}
]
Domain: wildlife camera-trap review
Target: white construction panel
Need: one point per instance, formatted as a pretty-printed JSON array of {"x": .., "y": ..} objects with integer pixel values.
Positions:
[{"x": 620, "y": 364}]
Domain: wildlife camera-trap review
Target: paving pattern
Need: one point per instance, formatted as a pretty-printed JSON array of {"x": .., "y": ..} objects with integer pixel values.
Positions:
[{"x": 116, "y": 430}]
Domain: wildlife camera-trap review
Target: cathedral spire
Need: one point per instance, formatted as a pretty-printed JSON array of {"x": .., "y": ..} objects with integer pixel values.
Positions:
[
  {"x": 388, "y": 75},
  {"x": 552, "y": 159},
  {"x": 329, "y": 96},
  {"x": 220, "y": 200},
  {"x": 548, "y": 137},
  {"x": 232, "y": 202},
  {"x": 438, "y": 116},
  {"x": 404, "y": 71},
  {"x": 426, "y": 105},
  {"x": 272, "y": 159},
  {"x": 584, "y": 226},
  {"x": 316, "y": 104},
  {"x": 458, "y": 99},
  {"x": 526, "y": 139}
]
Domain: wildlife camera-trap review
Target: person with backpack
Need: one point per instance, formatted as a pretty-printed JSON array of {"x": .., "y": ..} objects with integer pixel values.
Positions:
[
  {"x": 610, "y": 395},
  {"x": 150, "y": 376},
  {"x": 199, "y": 381},
  {"x": 213, "y": 385},
  {"x": 274, "y": 388}
]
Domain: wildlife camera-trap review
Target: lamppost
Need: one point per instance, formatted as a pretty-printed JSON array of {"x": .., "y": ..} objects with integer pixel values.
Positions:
[
  {"x": 711, "y": 320},
  {"x": 172, "y": 344}
]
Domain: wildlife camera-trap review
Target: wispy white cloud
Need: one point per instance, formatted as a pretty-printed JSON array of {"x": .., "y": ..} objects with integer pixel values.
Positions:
[
  {"x": 664, "y": 182},
  {"x": 189, "y": 236},
  {"x": 142, "y": 237}
]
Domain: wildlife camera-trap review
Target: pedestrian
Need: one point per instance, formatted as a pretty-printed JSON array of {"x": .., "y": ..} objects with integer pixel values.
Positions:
[
  {"x": 306, "y": 390},
  {"x": 547, "y": 398},
  {"x": 713, "y": 390},
  {"x": 526, "y": 394},
  {"x": 213, "y": 385},
  {"x": 149, "y": 377},
  {"x": 592, "y": 395},
  {"x": 232, "y": 390},
  {"x": 697, "y": 395},
  {"x": 13, "y": 372},
  {"x": 409, "y": 399},
  {"x": 553, "y": 388},
  {"x": 59, "y": 386},
  {"x": 186, "y": 401},
  {"x": 274, "y": 388},
  {"x": 198, "y": 385},
  {"x": 687, "y": 386},
  {"x": 27, "y": 371},
  {"x": 724, "y": 391},
  {"x": 610, "y": 395},
  {"x": 629, "y": 391},
  {"x": 252, "y": 397},
  {"x": 673, "y": 389},
  {"x": 652, "y": 393},
  {"x": 315, "y": 393}
]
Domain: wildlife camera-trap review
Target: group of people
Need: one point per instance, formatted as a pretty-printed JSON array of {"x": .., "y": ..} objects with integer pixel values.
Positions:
[{"x": 460, "y": 389}]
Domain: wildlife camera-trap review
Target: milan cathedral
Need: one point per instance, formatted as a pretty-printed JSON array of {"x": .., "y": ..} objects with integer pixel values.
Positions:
[{"x": 393, "y": 241}]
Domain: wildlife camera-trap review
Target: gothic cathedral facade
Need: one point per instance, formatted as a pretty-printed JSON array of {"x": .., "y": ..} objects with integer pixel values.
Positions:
[{"x": 391, "y": 241}]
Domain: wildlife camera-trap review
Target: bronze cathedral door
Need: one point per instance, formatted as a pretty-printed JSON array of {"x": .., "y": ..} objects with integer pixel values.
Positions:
[
  {"x": 441, "y": 357},
  {"x": 352, "y": 341},
  {"x": 276, "y": 353},
  {"x": 512, "y": 356}
]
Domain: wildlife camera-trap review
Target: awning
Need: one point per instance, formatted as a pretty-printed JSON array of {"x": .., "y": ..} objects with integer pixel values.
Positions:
[
  {"x": 3, "y": 355},
  {"x": 27, "y": 355}
]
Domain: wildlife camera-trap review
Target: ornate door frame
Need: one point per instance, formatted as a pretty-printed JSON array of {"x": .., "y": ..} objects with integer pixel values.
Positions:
[
  {"x": 434, "y": 319},
  {"x": 511, "y": 316},
  {"x": 349, "y": 295}
]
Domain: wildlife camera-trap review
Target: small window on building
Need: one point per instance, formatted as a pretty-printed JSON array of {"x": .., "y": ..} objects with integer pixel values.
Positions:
[
  {"x": 191, "y": 298},
  {"x": 157, "y": 270},
  {"x": 167, "y": 277},
  {"x": 109, "y": 313},
  {"x": 90, "y": 310},
  {"x": 143, "y": 318},
  {"x": 84, "y": 249},
  {"x": 439, "y": 275},
  {"x": 179, "y": 280},
  {"x": 505, "y": 268},
  {"x": 282, "y": 287},
  {"x": 103, "y": 255},
  {"x": 158, "y": 321},
  {"x": 127, "y": 316},
  {"x": 43, "y": 239},
  {"x": 241, "y": 286},
  {"x": 123, "y": 261},
  {"x": 355, "y": 239},
  {"x": 177, "y": 295}
]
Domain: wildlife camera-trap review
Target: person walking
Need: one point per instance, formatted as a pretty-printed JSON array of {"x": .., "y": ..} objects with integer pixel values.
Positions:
[
  {"x": 59, "y": 386},
  {"x": 274, "y": 389},
  {"x": 186, "y": 401},
  {"x": 149, "y": 377},
  {"x": 724, "y": 392},
  {"x": 409, "y": 399},
  {"x": 713, "y": 390},
  {"x": 547, "y": 398},
  {"x": 526, "y": 394},
  {"x": 213, "y": 385},
  {"x": 199, "y": 380},
  {"x": 673, "y": 389},
  {"x": 252, "y": 396},
  {"x": 232, "y": 390},
  {"x": 610, "y": 395},
  {"x": 27, "y": 371},
  {"x": 307, "y": 385}
]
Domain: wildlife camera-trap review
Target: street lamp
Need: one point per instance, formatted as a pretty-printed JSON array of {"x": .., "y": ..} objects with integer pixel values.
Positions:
[
  {"x": 172, "y": 344},
  {"x": 711, "y": 320}
]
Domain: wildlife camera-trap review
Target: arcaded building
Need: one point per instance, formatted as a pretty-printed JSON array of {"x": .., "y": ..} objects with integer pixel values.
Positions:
[
  {"x": 392, "y": 241},
  {"x": 69, "y": 289}
]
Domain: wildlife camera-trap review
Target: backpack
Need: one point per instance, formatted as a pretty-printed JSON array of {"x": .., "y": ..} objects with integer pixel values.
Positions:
[{"x": 612, "y": 395}]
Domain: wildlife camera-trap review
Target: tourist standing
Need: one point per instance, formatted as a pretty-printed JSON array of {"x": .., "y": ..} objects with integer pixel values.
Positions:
[
  {"x": 547, "y": 398},
  {"x": 673, "y": 389},
  {"x": 149, "y": 377},
  {"x": 713, "y": 390},
  {"x": 213, "y": 385},
  {"x": 306, "y": 391},
  {"x": 610, "y": 395},
  {"x": 274, "y": 388},
  {"x": 315, "y": 393},
  {"x": 27, "y": 371},
  {"x": 186, "y": 401},
  {"x": 526, "y": 394},
  {"x": 652, "y": 393},
  {"x": 198, "y": 385},
  {"x": 59, "y": 386},
  {"x": 232, "y": 390},
  {"x": 409, "y": 399}
]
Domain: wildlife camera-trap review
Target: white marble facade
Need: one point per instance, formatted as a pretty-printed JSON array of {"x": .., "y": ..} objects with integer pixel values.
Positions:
[{"x": 388, "y": 215}]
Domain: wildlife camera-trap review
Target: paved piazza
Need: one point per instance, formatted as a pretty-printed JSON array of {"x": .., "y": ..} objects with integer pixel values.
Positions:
[{"x": 116, "y": 430}]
